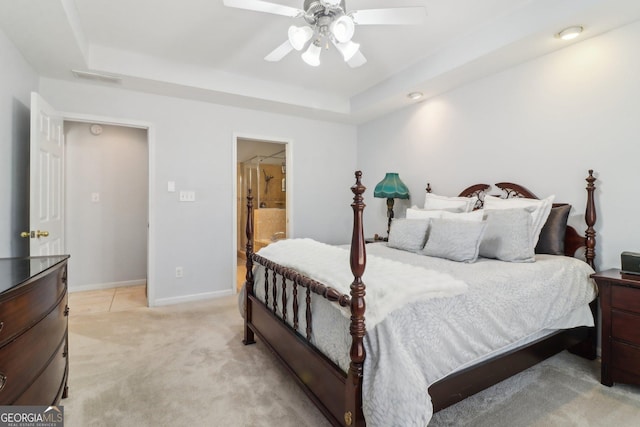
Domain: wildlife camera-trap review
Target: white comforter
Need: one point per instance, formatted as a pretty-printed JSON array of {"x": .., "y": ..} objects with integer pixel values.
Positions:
[
  {"x": 425, "y": 341},
  {"x": 329, "y": 265}
]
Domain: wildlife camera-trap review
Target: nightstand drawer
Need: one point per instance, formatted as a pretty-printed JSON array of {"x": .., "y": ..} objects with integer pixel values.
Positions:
[
  {"x": 625, "y": 357},
  {"x": 625, "y": 326},
  {"x": 625, "y": 298}
]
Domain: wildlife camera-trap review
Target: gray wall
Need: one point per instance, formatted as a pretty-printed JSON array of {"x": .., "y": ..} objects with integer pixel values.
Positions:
[
  {"x": 193, "y": 145},
  {"x": 542, "y": 124},
  {"x": 17, "y": 80},
  {"x": 107, "y": 238}
]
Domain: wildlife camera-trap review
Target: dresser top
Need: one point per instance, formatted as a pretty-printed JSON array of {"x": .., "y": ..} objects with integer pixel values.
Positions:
[{"x": 14, "y": 271}]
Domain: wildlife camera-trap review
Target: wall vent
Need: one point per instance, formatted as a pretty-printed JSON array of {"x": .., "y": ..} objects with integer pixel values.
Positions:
[{"x": 93, "y": 75}]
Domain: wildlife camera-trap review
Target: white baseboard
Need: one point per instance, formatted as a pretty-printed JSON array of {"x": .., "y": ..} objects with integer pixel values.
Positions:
[
  {"x": 98, "y": 286},
  {"x": 189, "y": 298}
]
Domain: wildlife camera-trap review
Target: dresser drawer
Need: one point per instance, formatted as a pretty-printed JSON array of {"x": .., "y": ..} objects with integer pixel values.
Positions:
[
  {"x": 625, "y": 298},
  {"x": 625, "y": 326},
  {"x": 47, "y": 388},
  {"x": 25, "y": 358},
  {"x": 625, "y": 357},
  {"x": 29, "y": 303}
]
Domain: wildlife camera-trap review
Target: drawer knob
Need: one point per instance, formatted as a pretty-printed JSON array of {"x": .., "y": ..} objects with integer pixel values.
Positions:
[
  {"x": 3, "y": 380},
  {"x": 1, "y": 326}
]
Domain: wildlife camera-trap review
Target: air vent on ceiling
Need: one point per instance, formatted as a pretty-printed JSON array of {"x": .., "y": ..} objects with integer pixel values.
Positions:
[{"x": 93, "y": 75}]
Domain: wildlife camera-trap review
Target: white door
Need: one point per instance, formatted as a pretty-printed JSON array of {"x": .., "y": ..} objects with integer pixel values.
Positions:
[{"x": 46, "y": 208}]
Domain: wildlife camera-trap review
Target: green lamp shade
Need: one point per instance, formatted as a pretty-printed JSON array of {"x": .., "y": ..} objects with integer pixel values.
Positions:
[{"x": 391, "y": 187}]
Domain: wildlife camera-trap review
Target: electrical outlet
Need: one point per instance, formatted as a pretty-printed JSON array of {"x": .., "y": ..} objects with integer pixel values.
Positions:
[{"x": 179, "y": 272}]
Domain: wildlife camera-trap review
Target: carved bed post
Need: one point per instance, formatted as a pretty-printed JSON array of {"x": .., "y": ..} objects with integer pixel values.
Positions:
[
  {"x": 590, "y": 219},
  {"x": 353, "y": 411},
  {"x": 248, "y": 289}
]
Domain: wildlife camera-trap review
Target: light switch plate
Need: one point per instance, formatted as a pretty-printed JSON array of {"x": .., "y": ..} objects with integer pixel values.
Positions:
[
  {"x": 171, "y": 186},
  {"x": 187, "y": 196}
]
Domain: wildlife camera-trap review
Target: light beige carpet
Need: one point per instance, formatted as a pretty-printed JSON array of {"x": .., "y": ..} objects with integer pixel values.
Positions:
[{"x": 185, "y": 365}]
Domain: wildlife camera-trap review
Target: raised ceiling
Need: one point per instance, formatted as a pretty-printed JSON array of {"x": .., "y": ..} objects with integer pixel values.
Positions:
[{"x": 200, "y": 49}]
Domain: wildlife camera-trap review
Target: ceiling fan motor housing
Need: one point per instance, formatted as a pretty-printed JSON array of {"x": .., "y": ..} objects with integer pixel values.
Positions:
[{"x": 314, "y": 9}]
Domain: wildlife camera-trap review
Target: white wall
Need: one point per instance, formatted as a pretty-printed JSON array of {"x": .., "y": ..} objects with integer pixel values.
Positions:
[
  {"x": 107, "y": 237},
  {"x": 542, "y": 124},
  {"x": 17, "y": 80},
  {"x": 193, "y": 146}
]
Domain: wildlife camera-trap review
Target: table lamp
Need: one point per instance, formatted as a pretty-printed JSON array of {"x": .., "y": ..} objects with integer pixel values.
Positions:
[{"x": 391, "y": 187}]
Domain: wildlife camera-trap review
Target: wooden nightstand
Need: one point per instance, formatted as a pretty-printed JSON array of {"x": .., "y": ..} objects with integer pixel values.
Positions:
[{"x": 620, "y": 304}]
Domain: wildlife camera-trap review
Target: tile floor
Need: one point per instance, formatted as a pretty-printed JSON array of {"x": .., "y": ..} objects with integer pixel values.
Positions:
[
  {"x": 241, "y": 273},
  {"x": 105, "y": 300}
]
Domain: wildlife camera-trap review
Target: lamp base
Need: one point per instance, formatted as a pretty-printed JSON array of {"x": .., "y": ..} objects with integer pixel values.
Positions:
[{"x": 389, "y": 215}]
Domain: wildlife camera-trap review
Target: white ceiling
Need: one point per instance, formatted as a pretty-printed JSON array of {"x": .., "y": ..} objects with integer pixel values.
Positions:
[{"x": 200, "y": 49}]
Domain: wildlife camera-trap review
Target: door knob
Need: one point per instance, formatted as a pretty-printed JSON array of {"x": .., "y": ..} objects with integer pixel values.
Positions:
[{"x": 34, "y": 234}]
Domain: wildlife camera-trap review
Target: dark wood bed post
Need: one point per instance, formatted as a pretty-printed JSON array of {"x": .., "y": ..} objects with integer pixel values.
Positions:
[
  {"x": 353, "y": 410},
  {"x": 248, "y": 290},
  {"x": 590, "y": 219}
]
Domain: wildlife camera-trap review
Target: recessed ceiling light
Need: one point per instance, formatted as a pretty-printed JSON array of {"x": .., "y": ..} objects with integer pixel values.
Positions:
[
  {"x": 570, "y": 33},
  {"x": 415, "y": 95}
]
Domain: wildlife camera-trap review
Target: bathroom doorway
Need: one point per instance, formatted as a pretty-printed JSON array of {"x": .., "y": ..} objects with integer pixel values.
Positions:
[{"x": 262, "y": 167}]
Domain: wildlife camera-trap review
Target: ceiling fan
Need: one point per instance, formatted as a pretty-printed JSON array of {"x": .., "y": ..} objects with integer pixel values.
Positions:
[{"x": 328, "y": 22}]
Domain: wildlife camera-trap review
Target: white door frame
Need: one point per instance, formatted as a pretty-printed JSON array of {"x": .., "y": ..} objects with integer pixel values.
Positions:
[
  {"x": 288, "y": 143},
  {"x": 151, "y": 153}
]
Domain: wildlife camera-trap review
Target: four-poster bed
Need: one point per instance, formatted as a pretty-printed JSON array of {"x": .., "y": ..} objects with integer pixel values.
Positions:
[{"x": 280, "y": 313}]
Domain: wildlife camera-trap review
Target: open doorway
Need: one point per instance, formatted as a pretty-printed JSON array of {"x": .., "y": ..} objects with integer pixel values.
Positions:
[
  {"x": 262, "y": 167},
  {"x": 107, "y": 193}
]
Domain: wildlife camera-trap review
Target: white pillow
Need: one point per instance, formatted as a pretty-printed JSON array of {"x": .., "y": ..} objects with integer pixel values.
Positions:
[
  {"x": 415, "y": 213},
  {"x": 453, "y": 204},
  {"x": 408, "y": 234},
  {"x": 539, "y": 210},
  {"x": 475, "y": 216}
]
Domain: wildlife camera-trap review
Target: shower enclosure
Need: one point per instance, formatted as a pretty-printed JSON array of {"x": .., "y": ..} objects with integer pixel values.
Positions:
[{"x": 266, "y": 177}]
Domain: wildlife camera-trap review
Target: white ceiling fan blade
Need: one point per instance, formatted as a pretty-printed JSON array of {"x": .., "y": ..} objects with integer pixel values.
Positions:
[
  {"x": 396, "y": 16},
  {"x": 264, "y": 6},
  {"x": 357, "y": 60},
  {"x": 280, "y": 52}
]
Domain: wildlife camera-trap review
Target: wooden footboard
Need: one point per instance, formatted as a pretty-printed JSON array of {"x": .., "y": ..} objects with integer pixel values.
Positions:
[{"x": 338, "y": 394}]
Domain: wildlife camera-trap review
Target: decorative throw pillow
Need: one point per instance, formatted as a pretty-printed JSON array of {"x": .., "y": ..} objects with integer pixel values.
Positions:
[
  {"x": 454, "y": 239},
  {"x": 408, "y": 234},
  {"x": 416, "y": 213},
  {"x": 539, "y": 210},
  {"x": 551, "y": 240},
  {"x": 452, "y": 204},
  {"x": 508, "y": 236}
]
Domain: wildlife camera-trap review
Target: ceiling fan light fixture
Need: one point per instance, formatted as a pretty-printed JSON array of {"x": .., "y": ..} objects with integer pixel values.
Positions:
[
  {"x": 312, "y": 55},
  {"x": 348, "y": 49},
  {"x": 343, "y": 28},
  {"x": 299, "y": 36}
]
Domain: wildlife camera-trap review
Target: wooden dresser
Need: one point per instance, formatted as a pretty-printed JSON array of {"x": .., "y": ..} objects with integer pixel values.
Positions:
[
  {"x": 620, "y": 304},
  {"x": 33, "y": 330}
]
